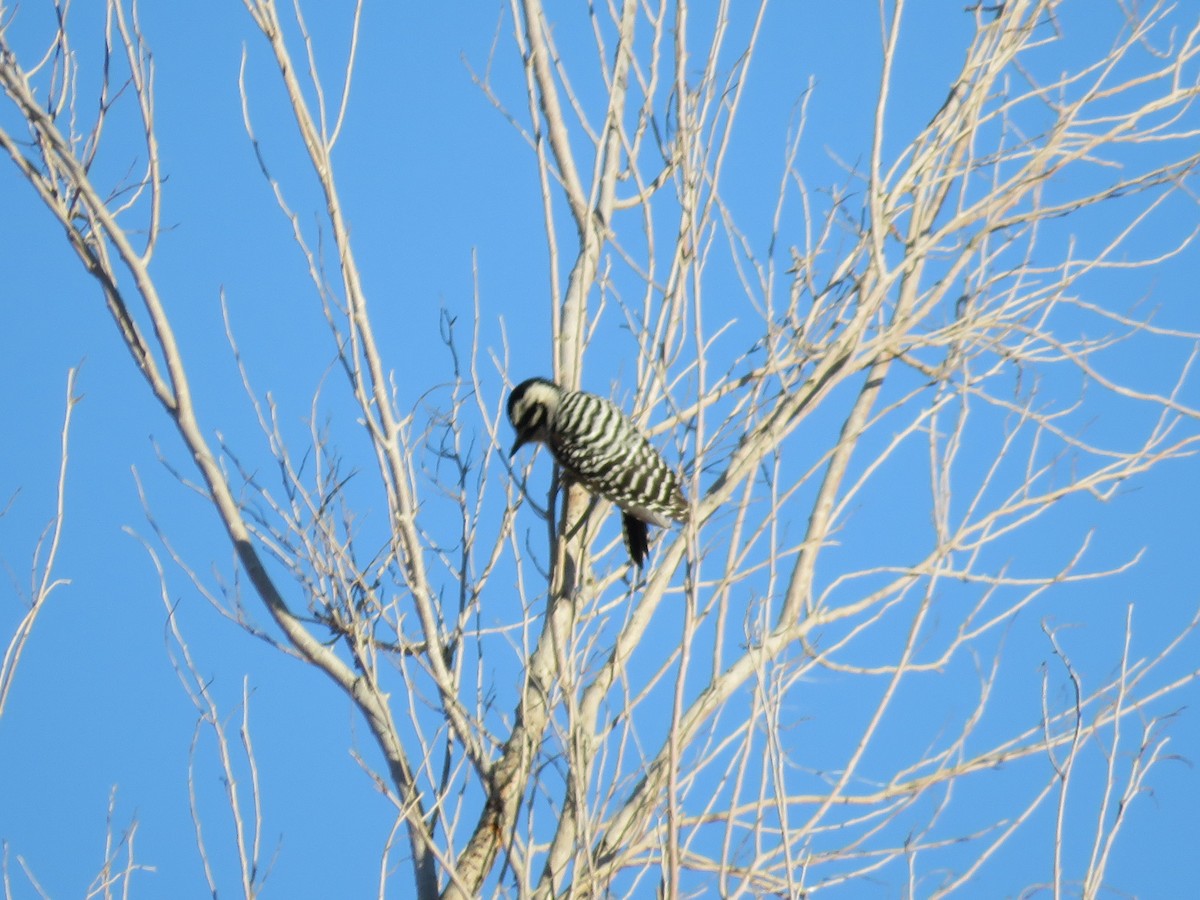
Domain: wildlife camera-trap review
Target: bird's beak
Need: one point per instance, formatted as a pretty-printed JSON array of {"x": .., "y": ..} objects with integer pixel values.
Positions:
[{"x": 517, "y": 445}]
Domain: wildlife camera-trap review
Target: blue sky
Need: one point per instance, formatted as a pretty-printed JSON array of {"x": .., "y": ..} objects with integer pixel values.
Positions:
[{"x": 432, "y": 178}]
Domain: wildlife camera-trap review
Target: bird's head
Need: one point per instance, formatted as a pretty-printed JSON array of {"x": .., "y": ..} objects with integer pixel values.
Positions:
[{"x": 531, "y": 408}]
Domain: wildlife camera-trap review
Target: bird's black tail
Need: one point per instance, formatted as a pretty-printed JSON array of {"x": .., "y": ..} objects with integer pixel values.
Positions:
[{"x": 637, "y": 538}]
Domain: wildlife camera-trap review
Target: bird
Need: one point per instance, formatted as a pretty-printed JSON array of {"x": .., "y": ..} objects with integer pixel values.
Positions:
[{"x": 597, "y": 446}]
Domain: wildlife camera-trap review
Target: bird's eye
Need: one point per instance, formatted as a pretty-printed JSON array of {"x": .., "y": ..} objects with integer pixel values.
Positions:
[{"x": 533, "y": 418}]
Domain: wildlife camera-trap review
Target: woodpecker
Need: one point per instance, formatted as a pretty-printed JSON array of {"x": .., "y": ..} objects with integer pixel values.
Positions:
[{"x": 597, "y": 446}]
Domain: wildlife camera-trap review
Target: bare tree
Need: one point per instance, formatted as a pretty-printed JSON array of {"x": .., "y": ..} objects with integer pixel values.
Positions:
[
  {"x": 43, "y": 578},
  {"x": 902, "y": 404},
  {"x": 118, "y": 864}
]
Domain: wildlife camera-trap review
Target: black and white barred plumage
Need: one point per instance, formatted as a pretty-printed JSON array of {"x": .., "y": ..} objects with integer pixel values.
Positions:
[{"x": 596, "y": 445}]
